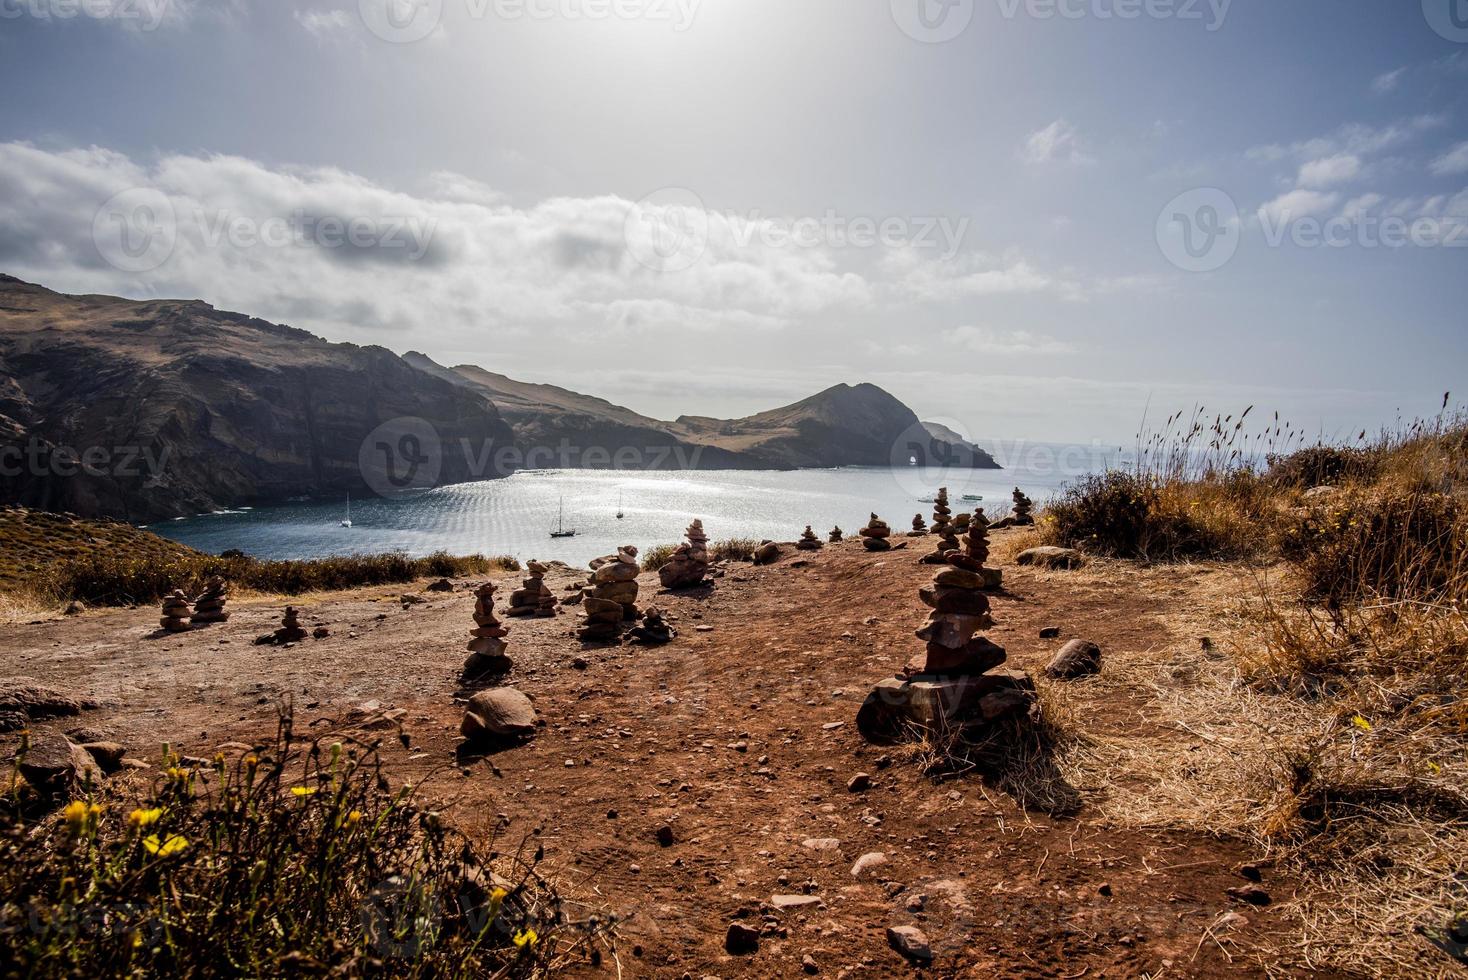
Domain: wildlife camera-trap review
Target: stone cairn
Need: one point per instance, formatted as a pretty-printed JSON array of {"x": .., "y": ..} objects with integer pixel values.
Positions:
[
  {"x": 487, "y": 642},
  {"x": 654, "y": 630},
  {"x": 943, "y": 529},
  {"x": 534, "y": 598},
  {"x": 175, "y": 612},
  {"x": 689, "y": 565},
  {"x": 919, "y": 527},
  {"x": 953, "y": 683},
  {"x": 1023, "y": 509},
  {"x": 290, "y": 630},
  {"x": 209, "y": 606},
  {"x": 613, "y": 595},
  {"x": 976, "y": 549},
  {"x": 808, "y": 541},
  {"x": 836, "y": 535},
  {"x": 874, "y": 536},
  {"x": 960, "y": 524}
]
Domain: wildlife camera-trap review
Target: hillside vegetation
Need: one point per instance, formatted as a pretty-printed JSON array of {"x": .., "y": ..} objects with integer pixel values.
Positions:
[
  {"x": 60, "y": 558},
  {"x": 1342, "y": 731}
]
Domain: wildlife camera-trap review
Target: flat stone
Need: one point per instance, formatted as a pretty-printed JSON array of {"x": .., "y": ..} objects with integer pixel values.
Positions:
[
  {"x": 821, "y": 844},
  {"x": 503, "y": 712},
  {"x": 911, "y": 942},
  {"x": 796, "y": 901},
  {"x": 867, "y": 862}
]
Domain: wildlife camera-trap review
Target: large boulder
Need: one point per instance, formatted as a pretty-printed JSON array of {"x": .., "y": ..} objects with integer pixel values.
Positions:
[
  {"x": 1078, "y": 658},
  {"x": 896, "y": 705},
  {"x": 502, "y": 713},
  {"x": 53, "y": 764}
]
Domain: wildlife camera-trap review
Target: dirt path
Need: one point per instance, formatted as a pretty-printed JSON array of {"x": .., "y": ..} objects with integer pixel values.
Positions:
[{"x": 739, "y": 736}]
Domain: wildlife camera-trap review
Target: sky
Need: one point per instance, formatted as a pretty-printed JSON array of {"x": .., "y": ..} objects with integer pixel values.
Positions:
[{"x": 1028, "y": 219}]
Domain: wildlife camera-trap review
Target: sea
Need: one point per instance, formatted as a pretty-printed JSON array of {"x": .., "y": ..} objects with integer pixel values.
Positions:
[{"x": 515, "y": 516}]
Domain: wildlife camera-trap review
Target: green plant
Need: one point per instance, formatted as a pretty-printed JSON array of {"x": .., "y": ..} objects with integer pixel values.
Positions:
[{"x": 297, "y": 858}]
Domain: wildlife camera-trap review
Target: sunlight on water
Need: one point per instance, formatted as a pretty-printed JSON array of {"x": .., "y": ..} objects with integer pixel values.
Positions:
[{"x": 515, "y": 516}]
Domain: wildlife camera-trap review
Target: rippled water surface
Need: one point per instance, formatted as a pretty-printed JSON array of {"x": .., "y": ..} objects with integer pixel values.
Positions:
[{"x": 514, "y": 516}]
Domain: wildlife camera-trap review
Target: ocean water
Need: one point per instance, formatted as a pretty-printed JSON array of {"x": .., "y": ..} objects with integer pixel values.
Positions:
[{"x": 514, "y": 516}]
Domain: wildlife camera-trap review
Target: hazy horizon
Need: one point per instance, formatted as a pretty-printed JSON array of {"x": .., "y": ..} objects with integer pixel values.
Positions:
[{"x": 1026, "y": 219}]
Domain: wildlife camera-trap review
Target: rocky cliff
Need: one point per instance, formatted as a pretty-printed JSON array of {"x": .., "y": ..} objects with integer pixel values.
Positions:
[
  {"x": 156, "y": 409},
  {"x": 148, "y": 410}
]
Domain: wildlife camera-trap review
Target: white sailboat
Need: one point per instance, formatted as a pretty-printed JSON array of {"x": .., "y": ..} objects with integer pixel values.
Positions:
[
  {"x": 562, "y": 531},
  {"x": 620, "y": 514},
  {"x": 347, "y": 521}
]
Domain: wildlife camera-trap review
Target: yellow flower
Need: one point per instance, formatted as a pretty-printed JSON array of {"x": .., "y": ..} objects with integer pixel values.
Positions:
[
  {"x": 1361, "y": 723},
  {"x": 251, "y": 761},
  {"x": 354, "y": 818},
  {"x": 527, "y": 938},
  {"x": 144, "y": 818},
  {"x": 75, "y": 815},
  {"x": 165, "y": 848},
  {"x": 304, "y": 790}
]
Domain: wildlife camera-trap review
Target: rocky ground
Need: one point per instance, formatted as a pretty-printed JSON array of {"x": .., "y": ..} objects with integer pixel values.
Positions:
[{"x": 708, "y": 782}]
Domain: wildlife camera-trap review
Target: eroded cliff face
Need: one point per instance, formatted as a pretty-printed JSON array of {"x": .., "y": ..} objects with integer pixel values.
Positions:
[{"x": 148, "y": 410}]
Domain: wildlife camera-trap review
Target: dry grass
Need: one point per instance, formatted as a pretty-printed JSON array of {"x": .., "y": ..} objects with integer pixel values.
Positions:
[{"x": 1325, "y": 724}]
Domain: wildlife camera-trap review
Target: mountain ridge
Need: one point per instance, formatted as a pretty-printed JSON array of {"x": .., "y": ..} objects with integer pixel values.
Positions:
[{"x": 211, "y": 409}]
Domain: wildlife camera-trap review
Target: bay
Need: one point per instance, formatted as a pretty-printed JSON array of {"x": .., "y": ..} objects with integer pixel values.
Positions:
[{"x": 514, "y": 516}]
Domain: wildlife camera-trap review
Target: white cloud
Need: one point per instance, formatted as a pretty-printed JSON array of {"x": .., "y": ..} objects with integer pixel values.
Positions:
[
  {"x": 1388, "y": 81},
  {"x": 1355, "y": 139},
  {"x": 455, "y": 259},
  {"x": 976, "y": 274},
  {"x": 1297, "y": 204},
  {"x": 1058, "y": 142},
  {"x": 324, "y": 23},
  {"x": 986, "y": 340},
  {"x": 1358, "y": 207},
  {"x": 1451, "y": 163},
  {"x": 1329, "y": 171}
]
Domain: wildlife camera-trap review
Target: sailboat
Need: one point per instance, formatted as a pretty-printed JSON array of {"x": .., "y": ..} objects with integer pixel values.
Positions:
[
  {"x": 620, "y": 515},
  {"x": 562, "y": 531},
  {"x": 347, "y": 521}
]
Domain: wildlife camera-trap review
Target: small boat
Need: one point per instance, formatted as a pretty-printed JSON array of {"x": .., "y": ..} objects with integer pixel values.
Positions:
[
  {"x": 347, "y": 521},
  {"x": 620, "y": 514},
  {"x": 974, "y": 497},
  {"x": 562, "y": 531}
]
